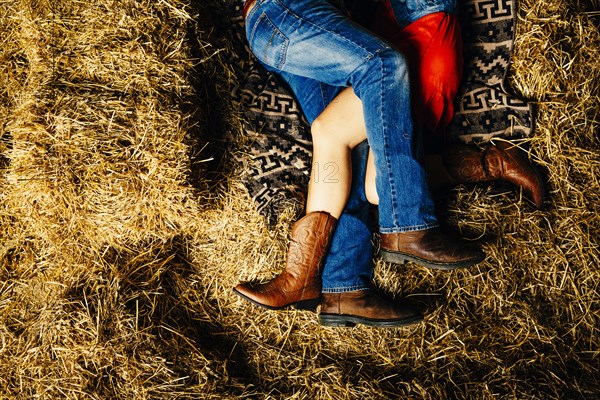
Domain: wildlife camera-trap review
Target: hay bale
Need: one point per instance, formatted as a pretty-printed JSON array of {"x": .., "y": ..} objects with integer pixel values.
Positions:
[{"x": 119, "y": 243}]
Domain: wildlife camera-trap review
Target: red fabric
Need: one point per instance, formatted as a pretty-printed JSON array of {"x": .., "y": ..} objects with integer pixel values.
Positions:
[{"x": 433, "y": 47}]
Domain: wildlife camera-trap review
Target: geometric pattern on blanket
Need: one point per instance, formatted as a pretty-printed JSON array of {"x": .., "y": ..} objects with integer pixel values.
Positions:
[
  {"x": 281, "y": 147},
  {"x": 485, "y": 107}
]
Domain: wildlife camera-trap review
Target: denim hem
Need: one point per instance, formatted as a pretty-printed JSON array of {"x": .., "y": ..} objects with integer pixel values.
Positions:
[
  {"x": 409, "y": 228},
  {"x": 345, "y": 289}
]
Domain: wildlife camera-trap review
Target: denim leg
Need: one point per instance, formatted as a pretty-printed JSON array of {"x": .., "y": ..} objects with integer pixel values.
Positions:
[
  {"x": 349, "y": 263},
  {"x": 312, "y": 96},
  {"x": 311, "y": 38}
]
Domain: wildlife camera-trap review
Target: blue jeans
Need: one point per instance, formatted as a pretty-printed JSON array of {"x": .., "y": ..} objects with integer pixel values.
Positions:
[{"x": 311, "y": 40}]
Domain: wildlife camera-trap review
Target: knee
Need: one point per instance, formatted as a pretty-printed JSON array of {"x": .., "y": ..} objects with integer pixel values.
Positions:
[
  {"x": 328, "y": 131},
  {"x": 387, "y": 64},
  {"x": 393, "y": 57},
  {"x": 394, "y": 63},
  {"x": 322, "y": 130}
]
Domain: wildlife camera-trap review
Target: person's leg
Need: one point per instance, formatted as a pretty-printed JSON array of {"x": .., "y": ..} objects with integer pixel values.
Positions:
[
  {"x": 498, "y": 161},
  {"x": 348, "y": 297},
  {"x": 313, "y": 39},
  {"x": 299, "y": 284},
  {"x": 334, "y": 134},
  {"x": 462, "y": 164},
  {"x": 330, "y": 110},
  {"x": 349, "y": 264},
  {"x": 347, "y": 290}
]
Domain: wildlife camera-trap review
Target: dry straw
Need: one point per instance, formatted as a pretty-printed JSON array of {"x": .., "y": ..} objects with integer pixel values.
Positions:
[{"x": 124, "y": 227}]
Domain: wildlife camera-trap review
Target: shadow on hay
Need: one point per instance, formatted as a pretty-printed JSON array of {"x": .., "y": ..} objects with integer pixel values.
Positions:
[
  {"x": 155, "y": 305},
  {"x": 211, "y": 151}
]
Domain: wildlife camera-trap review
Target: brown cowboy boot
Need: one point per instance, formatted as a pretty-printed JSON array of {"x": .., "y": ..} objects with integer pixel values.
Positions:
[
  {"x": 431, "y": 248},
  {"x": 366, "y": 307},
  {"x": 502, "y": 161},
  {"x": 299, "y": 284}
]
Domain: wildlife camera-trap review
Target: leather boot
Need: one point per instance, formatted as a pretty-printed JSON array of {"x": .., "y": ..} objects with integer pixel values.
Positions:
[
  {"x": 366, "y": 307},
  {"x": 300, "y": 283},
  {"x": 502, "y": 161},
  {"x": 431, "y": 248}
]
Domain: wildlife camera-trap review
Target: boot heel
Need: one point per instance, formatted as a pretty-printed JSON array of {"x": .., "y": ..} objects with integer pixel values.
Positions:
[
  {"x": 310, "y": 305},
  {"x": 335, "y": 320}
]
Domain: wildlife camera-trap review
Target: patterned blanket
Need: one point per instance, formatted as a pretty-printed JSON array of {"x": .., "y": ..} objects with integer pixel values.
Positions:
[{"x": 281, "y": 146}]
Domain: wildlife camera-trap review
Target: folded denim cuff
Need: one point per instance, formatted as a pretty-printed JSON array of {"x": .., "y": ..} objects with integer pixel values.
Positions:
[
  {"x": 409, "y": 228},
  {"x": 346, "y": 289}
]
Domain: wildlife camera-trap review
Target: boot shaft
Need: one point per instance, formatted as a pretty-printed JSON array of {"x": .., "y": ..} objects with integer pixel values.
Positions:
[
  {"x": 309, "y": 243},
  {"x": 300, "y": 283}
]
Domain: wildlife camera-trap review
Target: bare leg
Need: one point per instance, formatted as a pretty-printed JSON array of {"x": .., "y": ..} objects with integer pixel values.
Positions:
[
  {"x": 335, "y": 132},
  {"x": 370, "y": 188}
]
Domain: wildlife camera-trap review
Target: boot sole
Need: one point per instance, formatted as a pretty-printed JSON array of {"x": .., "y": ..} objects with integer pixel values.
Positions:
[
  {"x": 309, "y": 304},
  {"x": 400, "y": 258},
  {"x": 349, "y": 321}
]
